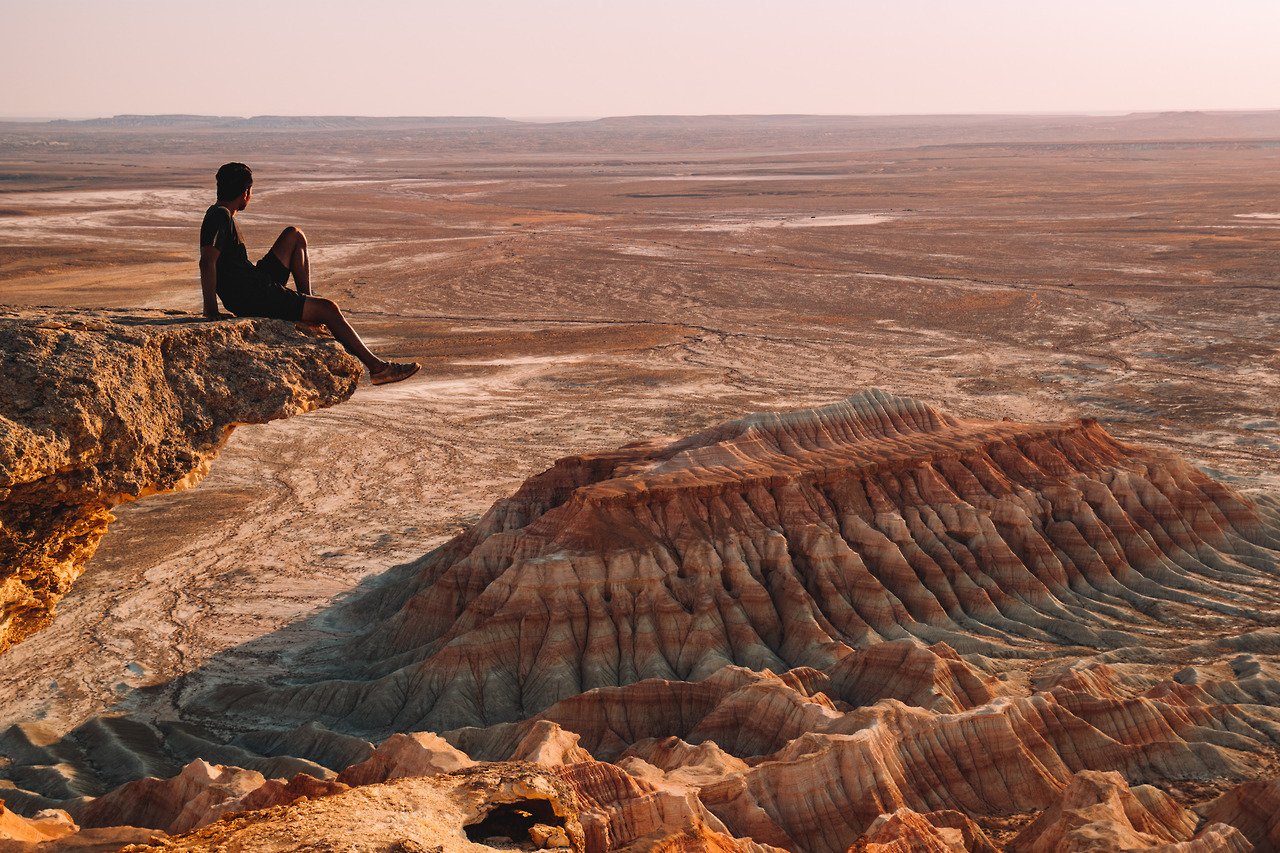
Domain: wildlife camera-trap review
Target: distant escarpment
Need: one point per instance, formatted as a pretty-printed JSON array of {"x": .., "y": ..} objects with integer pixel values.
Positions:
[
  {"x": 781, "y": 541},
  {"x": 102, "y": 407}
]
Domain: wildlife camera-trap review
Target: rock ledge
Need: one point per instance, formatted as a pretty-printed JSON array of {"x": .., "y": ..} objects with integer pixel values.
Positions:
[{"x": 102, "y": 407}]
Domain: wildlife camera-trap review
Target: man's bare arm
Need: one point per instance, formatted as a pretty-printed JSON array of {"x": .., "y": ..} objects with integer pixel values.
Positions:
[{"x": 209, "y": 281}]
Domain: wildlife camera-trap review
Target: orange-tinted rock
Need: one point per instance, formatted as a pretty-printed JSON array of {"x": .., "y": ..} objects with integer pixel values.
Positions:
[
  {"x": 684, "y": 764},
  {"x": 548, "y": 744},
  {"x": 792, "y": 540},
  {"x": 933, "y": 677},
  {"x": 45, "y": 826},
  {"x": 402, "y": 755},
  {"x": 102, "y": 407},
  {"x": 1253, "y": 808},
  {"x": 278, "y": 792},
  {"x": 906, "y": 831},
  {"x": 1097, "y": 812},
  {"x": 620, "y": 812},
  {"x": 200, "y": 794},
  {"x": 1011, "y": 756}
]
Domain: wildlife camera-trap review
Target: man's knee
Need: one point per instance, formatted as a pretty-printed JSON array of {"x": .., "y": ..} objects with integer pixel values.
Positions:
[
  {"x": 295, "y": 234},
  {"x": 319, "y": 309}
]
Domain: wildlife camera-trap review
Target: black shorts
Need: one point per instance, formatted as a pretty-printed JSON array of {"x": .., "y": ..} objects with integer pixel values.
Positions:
[{"x": 262, "y": 293}]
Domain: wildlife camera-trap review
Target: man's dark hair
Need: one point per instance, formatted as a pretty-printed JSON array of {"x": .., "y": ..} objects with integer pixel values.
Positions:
[{"x": 233, "y": 179}]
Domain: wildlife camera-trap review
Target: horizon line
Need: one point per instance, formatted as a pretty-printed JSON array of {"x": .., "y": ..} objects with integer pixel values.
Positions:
[{"x": 565, "y": 119}]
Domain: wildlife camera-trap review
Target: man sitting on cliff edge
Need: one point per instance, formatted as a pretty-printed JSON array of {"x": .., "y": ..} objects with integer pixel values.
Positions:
[{"x": 258, "y": 290}]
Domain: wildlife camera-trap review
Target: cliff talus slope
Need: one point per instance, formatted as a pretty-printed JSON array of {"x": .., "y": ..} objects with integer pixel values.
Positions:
[{"x": 97, "y": 408}]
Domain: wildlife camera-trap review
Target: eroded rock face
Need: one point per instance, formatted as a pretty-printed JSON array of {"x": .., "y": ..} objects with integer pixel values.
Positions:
[
  {"x": 404, "y": 755},
  {"x": 906, "y": 831},
  {"x": 104, "y": 407},
  {"x": 200, "y": 794},
  {"x": 865, "y": 624},
  {"x": 1099, "y": 812},
  {"x": 1253, "y": 808},
  {"x": 794, "y": 540}
]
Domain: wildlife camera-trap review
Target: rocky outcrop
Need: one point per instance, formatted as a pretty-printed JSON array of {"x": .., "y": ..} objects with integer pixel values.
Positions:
[
  {"x": 1098, "y": 812},
  {"x": 445, "y": 813},
  {"x": 786, "y": 541},
  {"x": 44, "y": 826},
  {"x": 200, "y": 794},
  {"x": 906, "y": 831},
  {"x": 867, "y": 624},
  {"x": 97, "y": 408},
  {"x": 623, "y": 813},
  {"x": 1253, "y": 808},
  {"x": 401, "y": 756}
]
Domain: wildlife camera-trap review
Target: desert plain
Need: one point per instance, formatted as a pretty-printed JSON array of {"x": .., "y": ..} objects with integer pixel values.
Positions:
[{"x": 573, "y": 287}]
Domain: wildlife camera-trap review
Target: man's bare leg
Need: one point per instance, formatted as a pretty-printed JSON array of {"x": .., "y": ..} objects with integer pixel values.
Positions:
[
  {"x": 325, "y": 312},
  {"x": 291, "y": 250}
]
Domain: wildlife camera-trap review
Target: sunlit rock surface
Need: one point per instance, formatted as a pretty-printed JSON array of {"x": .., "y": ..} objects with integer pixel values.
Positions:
[
  {"x": 98, "y": 408},
  {"x": 867, "y": 624}
]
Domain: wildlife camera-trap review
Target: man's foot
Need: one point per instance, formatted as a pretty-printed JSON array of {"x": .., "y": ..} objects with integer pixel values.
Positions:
[{"x": 394, "y": 372}]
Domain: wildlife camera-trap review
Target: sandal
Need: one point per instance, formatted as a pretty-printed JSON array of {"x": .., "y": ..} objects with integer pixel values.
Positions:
[{"x": 394, "y": 372}]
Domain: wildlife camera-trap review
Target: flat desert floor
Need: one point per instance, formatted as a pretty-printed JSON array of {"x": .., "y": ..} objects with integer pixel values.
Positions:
[{"x": 572, "y": 288}]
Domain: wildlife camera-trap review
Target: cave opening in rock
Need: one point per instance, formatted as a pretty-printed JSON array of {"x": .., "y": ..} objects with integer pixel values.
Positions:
[{"x": 513, "y": 820}]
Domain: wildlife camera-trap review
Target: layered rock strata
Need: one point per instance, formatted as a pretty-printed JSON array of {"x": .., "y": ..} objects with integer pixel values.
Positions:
[
  {"x": 784, "y": 541},
  {"x": 98, "y": 408},
  {"x": 870, "y": 625}
]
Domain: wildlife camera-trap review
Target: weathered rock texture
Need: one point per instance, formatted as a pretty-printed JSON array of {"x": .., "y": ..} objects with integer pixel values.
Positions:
[
  {"x": 105, "y": 407},
  {"x": 795, "y": 540},
  {"x": 870, "y": 623},
  {"x": 906, "y": 831},
  {"x": 1098, "y": 812},
  {"x": 1253, "y": 808}
]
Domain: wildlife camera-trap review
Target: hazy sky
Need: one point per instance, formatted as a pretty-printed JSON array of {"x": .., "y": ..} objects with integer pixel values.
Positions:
[{"x": 583, "y": 58}]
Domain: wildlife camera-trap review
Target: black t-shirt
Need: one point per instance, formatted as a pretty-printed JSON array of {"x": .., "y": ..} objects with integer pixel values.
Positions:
[{"x": 219, "y": 230}]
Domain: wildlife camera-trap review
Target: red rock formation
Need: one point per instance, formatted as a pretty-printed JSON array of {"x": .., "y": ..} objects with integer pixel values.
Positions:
[
  {"x": 278, "y": 792},
  {"x": 400, "y": 756},
  {"x": 1253, "y": 808},
  {"x": 906, "y": 831},
  {"x": 793, "y": 540},
  {"x": 933, "y": 677},
  {"x": 45, "y": 826},
  {"x": 549, "y": 745},
  {"x": 1098, "y": 812},
  {"x": 813, "y": 628},
  {"x": 622, "y": 813},
  {"x": 200, "y": 794},
  {"x": 1008, "y": 757}
]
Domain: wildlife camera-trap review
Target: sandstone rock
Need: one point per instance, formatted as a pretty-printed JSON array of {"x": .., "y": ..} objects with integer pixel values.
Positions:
[
  {"x": 97, "y": 409},
  {"x": 1098, "y": 812},
  {"x": 549, "y": 745},
  {"x": 906, "y": 831},
  {"x": 423, "y": 813},
  {"x": 1253, "y": 808},
  {"x": 44, "y": 826},
  {"x": 811, "y": 630},
  {"x": 791, "y": 540},
  {"x": 620, "y": 812},
  {"x": 933, "y": 677},
  {"x": 403, "y": 755},
  {"x": 684, "y": 764},
  {"x": 200, "y": 794},
  {"x": 548, "y": 837},
  {"x": 278, "y": 792}
]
